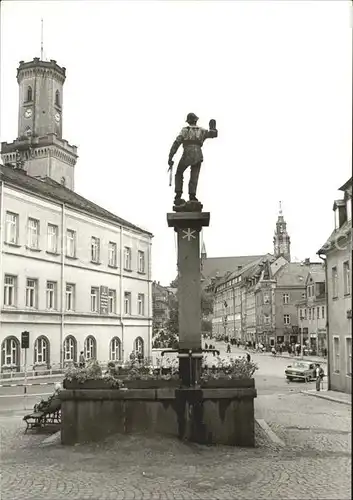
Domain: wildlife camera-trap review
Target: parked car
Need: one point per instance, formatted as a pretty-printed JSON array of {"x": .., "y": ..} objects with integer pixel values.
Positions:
[{"x": 301, "y": 370}]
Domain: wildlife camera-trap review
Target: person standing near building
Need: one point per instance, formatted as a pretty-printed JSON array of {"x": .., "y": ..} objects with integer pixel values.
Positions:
[
  {"x": 81, "y": 360},
  {"x": 319, "y": 372}
]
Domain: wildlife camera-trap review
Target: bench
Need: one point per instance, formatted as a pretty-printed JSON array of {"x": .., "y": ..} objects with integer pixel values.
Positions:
[{"x": 48, "y": 416}]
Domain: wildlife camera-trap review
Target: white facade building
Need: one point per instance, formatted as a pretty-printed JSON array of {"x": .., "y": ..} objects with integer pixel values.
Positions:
[{"x": 73, "y": 275}]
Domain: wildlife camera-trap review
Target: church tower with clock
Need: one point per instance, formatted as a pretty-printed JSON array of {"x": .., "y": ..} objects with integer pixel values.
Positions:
[
  {"x": 39, "y": 148},
  {"x": 281, "y": 239}
]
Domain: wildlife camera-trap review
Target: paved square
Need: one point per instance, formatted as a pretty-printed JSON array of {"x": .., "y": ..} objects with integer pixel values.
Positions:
[{"x": 314, "y": 464}]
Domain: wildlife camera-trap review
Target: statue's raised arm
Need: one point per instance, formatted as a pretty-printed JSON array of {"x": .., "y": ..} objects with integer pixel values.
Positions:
[{"x": 192, "y": 138}]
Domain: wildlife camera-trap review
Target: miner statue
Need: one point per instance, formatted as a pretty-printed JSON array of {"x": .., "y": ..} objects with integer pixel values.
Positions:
[{"x": 192, "y": 138}]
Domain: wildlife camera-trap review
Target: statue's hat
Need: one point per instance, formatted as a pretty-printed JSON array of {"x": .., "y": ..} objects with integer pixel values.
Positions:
[{"x": 191, "y": 117}]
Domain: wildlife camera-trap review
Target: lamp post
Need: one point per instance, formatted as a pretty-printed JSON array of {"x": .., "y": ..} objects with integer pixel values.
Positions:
[{"x": 302, "y": 335}]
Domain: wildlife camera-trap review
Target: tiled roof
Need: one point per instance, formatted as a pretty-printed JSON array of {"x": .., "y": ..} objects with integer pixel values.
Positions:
[
  {"x": 294, "y": 274},
  {"x": 248, "y": 270},
  {"x": 343, "y": 232},
  {"x": 217, "y": 267},
  {"x": 55, "y": 192},
  {"x": 346, "y": 185},
  {"x": 317, "y": 275}
]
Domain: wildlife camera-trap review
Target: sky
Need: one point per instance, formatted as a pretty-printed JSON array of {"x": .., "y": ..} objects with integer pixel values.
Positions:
[{"x": 276, "y": 75}]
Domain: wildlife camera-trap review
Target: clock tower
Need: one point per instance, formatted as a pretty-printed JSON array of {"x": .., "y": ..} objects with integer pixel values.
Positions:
[
  {"x": 281, "y": 239},
  {"x": 39, "y": 148}
]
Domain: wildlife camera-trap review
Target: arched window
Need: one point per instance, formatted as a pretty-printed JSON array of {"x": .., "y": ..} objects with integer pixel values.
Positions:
[
  {"x": 29, "y": 93},
  {"x": 139, "y": 346},
  {"x": 115, "y": 349},
  {"x": 41, "y": 350},
  {"x": 10, "y": 353},
  {"x": 57, "y": 98},
  {"x": 70, "y": 349},
  {"x": 90, "y": 348}
]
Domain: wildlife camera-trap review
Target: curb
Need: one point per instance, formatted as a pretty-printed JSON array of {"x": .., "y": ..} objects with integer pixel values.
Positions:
[
  {"x": 52, "y": 439},
  {"x": 36, "y": 377},
  {"x": 27, "y": 385},
  {"x": 328, "y": 398},
  {"x": 269, "y": 432}
]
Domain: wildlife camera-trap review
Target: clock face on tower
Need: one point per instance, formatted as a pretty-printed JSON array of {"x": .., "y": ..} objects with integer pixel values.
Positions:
[
  {"x": 57, "y": 117},
  {"x": 28, "y": 113}
]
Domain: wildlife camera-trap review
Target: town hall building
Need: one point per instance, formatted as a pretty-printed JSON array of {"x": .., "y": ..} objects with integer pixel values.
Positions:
[{"x": 72, "y": 274}]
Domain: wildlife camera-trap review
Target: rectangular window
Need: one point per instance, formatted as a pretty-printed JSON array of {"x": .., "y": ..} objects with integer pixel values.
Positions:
[
  {"x": 309, "y": 291},
  {"x": 334, "y": 282},
  {"x": 349, "y": 356},
  {"x": 286, "y": 319},
  {"x": 346, "y": 278},
  {"x": 94, "y": 299},
  {"x": 305, "y": 314},
  {"x": 70, "y": 297},
  {"x": 323, "y": 312},
  {"x": 309, "y": 312},
  {"x": 141, "y": 304},
  {"x": 70, "y": 243},
  {"x": 318, "y": 312},
  {"x": 31, "y": 293},
  {"x": 127, "y": 303},
  {"x": 112, "y": 301},
  {"x": 336, "y": 354},
  {"x": 112, "y": 254},
  {"x": 33, "y": 233},
  {"x": 266, "y": 298},
  {"x": 127, "y": 258},
  {"x": 95, "y": 249},
  {"x": 11, "y": 228},
  {"x": 51, "y": 295},
  {"x": 313, "y": 312},
  {"x": 286, "y": 298},
  {"x": 141, "y": 261},
  {"x": 9, "y": 290},
  {"x": 53, "y": 232},
  {"x": 301, "y": 314},
  {"x": 266, "y": 319}
]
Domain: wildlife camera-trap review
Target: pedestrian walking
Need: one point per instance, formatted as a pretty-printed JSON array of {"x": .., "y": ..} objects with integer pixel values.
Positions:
[
  {"x": 248, "y": 357},
  {"x": 228, "y": 348},
  {"x": 81, "y": 360},
  {"x": 206, "y": 345},
  {"x": 280, "y": 349},
  {"x": 273, "y": 350}
]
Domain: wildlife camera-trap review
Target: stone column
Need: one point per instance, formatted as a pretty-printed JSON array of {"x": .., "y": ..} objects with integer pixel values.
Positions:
[{"x": 188, "y": 226}]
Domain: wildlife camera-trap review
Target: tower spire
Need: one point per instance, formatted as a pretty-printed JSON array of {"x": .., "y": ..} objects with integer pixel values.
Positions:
[
  {"x": 280, "y": 208},
  {"x": 41, "y": 41}
]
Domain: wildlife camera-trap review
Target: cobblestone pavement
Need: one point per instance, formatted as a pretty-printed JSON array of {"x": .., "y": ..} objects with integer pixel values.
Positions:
[{"x": 314, "y": 464}]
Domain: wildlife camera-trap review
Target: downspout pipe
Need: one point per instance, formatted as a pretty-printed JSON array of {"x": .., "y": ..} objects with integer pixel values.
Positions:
[
  {"x": 328, "y": 343},
  {"x": 121, "y": 293},
  {"x": 1, "y": 245},
  {"x": 63, "y": 287},
  {"x": 149, "y": 285}
]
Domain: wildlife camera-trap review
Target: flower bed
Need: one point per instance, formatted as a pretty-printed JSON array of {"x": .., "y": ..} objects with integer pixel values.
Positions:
[{"x": 137, "y": 374}]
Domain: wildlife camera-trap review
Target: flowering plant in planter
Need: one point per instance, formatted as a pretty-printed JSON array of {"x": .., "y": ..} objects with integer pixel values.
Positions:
[
  {"x": 93, "y": 371},
  {"x": 231, "y": 369},
  {"x": 141, "y": 370}
]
